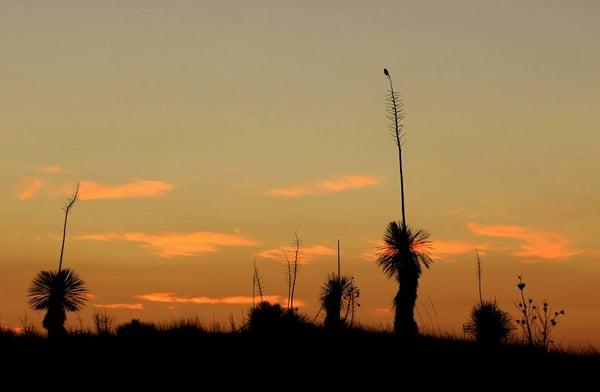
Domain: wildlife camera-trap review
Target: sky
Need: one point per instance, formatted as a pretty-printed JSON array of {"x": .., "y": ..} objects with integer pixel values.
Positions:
[{"x": 206, "y": 134}]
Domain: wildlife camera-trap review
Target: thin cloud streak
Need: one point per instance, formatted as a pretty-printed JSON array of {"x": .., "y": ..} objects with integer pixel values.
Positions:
[
  {"x": 30, "y": 187},
  {"x": 50, "y": 169},
  {"x": 306, "y": 253},
  {"x": 443, "y": 249},
  {"x": 172, "y": 298},
  {"x": 121, "y": 306},
  {"x": 90, "y": 190},
  {"x": 534, "y": 243},
  {"x": 170, "y": 245},
  {"x": 342, "y": 183}
]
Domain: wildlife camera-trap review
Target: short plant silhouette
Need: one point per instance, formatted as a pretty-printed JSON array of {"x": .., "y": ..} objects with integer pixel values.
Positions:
[
  {"x": 488, "y": 324},
  {"x": 60, "y": 291},
  {"x": 536, "y": 323},
  {"x": 404, "y": 251},
  {"x": 103, "y": 323},
  {"x": 339, "y": 294}
]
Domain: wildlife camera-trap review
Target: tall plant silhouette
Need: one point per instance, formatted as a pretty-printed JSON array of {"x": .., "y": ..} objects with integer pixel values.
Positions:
[
  {"x": 405, "y": 250},
  {"x": 58, "y": 291}
]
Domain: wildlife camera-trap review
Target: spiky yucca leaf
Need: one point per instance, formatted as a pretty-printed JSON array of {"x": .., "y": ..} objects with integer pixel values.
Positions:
[
  {"x": 404, "y": 251},
  {"x": 335, "y": 287},
  {"x": 62, "y": 289}
]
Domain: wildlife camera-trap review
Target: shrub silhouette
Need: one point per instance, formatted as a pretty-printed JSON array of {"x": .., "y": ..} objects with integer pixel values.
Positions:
[
  {"x": 489, "y": 325},
  {"x": 401, "y": 257},
  {"x": 267, "y": 318},
  {"x": 184, "y": 328},
  {"x": 57, "y": 292},
  {"x": 137, "y": 329}
]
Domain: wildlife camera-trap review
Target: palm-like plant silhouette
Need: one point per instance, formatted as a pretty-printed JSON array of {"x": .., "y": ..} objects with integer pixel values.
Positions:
[
  {"x": 335, "y": 295},
  {"x": 401, "y": 257},
  {"x": 57, "y": 292},
  {"x": 60, "y": 291},
  {"x": 404, "y": 250}
]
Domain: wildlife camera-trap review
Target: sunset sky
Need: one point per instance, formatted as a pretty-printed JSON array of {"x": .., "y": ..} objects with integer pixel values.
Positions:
[{"x": 206, "y": 133}]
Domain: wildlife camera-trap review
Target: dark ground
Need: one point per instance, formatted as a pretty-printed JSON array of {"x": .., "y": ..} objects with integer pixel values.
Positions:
[{"x": 287, "y": 360}]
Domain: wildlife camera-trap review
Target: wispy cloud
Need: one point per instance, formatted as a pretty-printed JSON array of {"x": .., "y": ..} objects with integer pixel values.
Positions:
[
  {"x": 176, "y": 244},
  {"x": 443, "y": 249},
  {"x": 306, "y": 253},
  {"x": 371, "y": 253},
  {"x": 29, "y": 187},
  {"x": 172, "y": 298},
  {"x": 534, "y": 244},
  {"x": 50, "y": 169},
  {"x": 382, "y": 311},
  {"x": 121, "y": 306},
  {"x": 90, "y": 190},
  {"x": 342, "y": 183}
]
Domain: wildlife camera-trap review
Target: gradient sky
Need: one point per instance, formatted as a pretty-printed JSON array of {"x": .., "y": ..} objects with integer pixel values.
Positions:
[{"x": 206, "y": 133}]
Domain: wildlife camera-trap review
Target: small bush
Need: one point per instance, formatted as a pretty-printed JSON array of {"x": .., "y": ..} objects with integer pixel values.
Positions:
[
  {"x": 136, "y": 329},
  {"x": 273, "y": 319},
  {"x": 189, "y": 327},
  {"x": 489, "y": 325}
]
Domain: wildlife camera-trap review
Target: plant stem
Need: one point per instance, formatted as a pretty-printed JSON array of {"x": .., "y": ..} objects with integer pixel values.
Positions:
[
  {"x": 70, "y": 203},
  {"x": 397, "y": 130}
]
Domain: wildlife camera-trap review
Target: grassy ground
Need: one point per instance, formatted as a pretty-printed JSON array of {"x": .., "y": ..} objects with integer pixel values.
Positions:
[{"x": 308, "y": 354}]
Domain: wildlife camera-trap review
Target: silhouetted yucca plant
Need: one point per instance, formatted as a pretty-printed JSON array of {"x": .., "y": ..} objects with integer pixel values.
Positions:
[
  {"x": 57, "y": 292},
  {"x": 402, "y": 257},
  {"x": 336, "y": 295},
  {"x": 404, "y": 250},
  {"x": 489, "y": 325}
]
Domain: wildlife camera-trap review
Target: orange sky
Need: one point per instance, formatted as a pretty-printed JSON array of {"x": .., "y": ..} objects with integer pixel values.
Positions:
[{"x": 205, "y": 134}]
